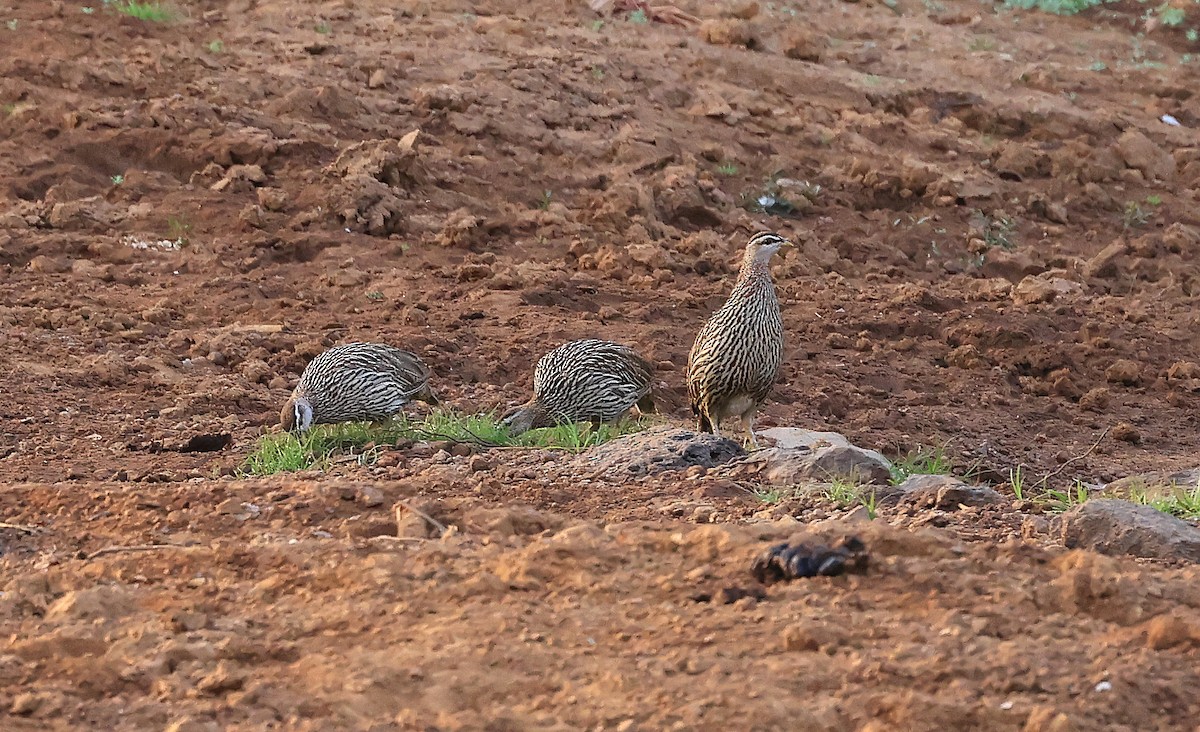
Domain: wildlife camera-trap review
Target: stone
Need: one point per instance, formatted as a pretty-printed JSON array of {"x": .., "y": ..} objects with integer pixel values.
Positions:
[
  {"x": 1115, "y": 527},
  {"x": 1047, "y": 719},
  {"x": 1170, "y": 630},
  {"x": 659, "y": 450},
  {"x": 103, "y": 602},
  {"x": 368, "y": 496},
  {"x": 1142, "y": 153},
  {"x": 803, "y": 44},
  {"x": 1155, "y": 480},
  {"x": 945, "y": 492},
  {"x": 1125, "y": 432},
  {"x": 813, "y": 439},
  {"x": 792, "y": 465},
  {"x": 1104, "y": 263},
  {"x": 1043, "y": 288},
  {"x": 728, "y": 32},
  {"x": 1123, "y": 371}
]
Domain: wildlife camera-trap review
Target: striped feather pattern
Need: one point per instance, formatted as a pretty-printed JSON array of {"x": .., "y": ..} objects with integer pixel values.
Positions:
[
  {"x": 585, "y": 380},
  {"x": 362, "y": 382},
  {"x": 736, "y": 357}
]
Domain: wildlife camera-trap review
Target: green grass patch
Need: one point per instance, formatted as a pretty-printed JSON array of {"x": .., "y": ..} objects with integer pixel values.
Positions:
[
  {"x": 921, "y": 461},
  {"x": 1180, "y": 501},
  {"x": 319, "y": 446},
  {"x": 152, "y": 12},
  {"x": 1055, "y": 7},
  {"x": 848, "y": 493}
]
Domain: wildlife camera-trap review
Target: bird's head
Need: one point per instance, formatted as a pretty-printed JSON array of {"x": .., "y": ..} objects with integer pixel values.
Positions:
[
  {"x": 763, "y": 244},
  {"x": 519, "y": 420},
  {"x": 296, "y": 415}
]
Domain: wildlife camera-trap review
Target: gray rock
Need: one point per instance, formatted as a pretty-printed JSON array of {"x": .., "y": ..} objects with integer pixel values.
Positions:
[
  {"x": 792, "y": 465},
  {"x": 945, "y": 492},
  {"x": 814, "y": 440},
  {"x": 660, "y": 450},
  {"x": 1155, "y": 480},
  {"x": 1115, "y": 527}
]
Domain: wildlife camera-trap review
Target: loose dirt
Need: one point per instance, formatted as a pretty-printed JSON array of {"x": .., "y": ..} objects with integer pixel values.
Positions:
[{"x": 998, "y": 237}]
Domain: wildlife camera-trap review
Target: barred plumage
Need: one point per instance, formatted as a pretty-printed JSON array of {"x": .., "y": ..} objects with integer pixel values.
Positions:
[
  {"x": 584, "y": 381},
  {"x": 735, "y": 359},
  {"x": 356, "y": 382}
]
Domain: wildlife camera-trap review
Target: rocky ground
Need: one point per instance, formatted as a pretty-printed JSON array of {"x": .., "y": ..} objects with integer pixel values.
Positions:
[{"x": 998, "y": 229}]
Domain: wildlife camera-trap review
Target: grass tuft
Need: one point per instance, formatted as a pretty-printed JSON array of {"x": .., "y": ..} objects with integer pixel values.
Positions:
[
  {"x": 921, "y": 461},
  {"x": 1179, "y": 501},
  {"x": 1056, "y": 7},
  {"x": 286, "y": 452},
  {"x": 153, "y": 12},
  {"x": 847, "y": 493}
]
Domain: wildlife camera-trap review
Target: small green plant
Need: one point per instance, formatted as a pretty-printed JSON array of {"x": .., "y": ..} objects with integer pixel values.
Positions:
[
  {"x": 545, "y": 201},
  {"x": 375, "y": 296},
  {"x": 117, "y": 179},
  {"x": 1057, "y": 501},
  {"x": 179, "y": 230},
  {"x": 772, "y": 198},
  {"x": 216, "y": 46},
  {"x": 323, "y": 28},
  {"x": 597, "y": 25},
  {"x": 1056, "y": 7},
  {"x": 1179, "y": 501},
  {"x": 1098, "y": 66},
  {"x": 598, "y": 73},
  {"x": 868, "y": 502},
  {"x": 11, "y": 24},
  {"x": 1154, "y": 200},
  {"x": 316, "y": 448},
  {"x": 1134, "y": 216},
  {"x": 847, "y": 492},
  {"x": 768, "y": 495},
  {"x": 8, "y": 109},
  {"x": 995, "y": 231},
  {"x": 1169, "y": 16},
  {"x": 843, "y": 492},
  {"x": 152, "y": 12},
  {"x": 982, "y": 43},
  {"x": 1192, "y": 35},
  {"x": 727, "y": 169},
  {"x": 638, "y": 16},
  {"x": 1016, "y": 480},
  {"x": 921, "y": 461}
]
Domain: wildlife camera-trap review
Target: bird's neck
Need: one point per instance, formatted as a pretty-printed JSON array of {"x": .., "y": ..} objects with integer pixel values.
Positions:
[{"x": 754, "y": 270}]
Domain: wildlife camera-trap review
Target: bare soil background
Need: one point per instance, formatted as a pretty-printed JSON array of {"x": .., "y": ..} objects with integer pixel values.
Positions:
[{"x": 998, "y": 252}]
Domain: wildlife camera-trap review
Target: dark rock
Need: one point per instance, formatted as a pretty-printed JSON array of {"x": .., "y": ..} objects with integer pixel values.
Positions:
[
  {"x": 207, "y": 443},
  {"x": 786, "y": 561},
  {"x": 658, "y": 451},
  {"x": 792, "y": 465},
  {"x": 1115, "y": 527},
  {"x": 945, "y": 492}
]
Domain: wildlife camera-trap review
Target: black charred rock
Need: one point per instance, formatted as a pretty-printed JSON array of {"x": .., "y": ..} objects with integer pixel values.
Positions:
[{"x": 786, "y": 562}]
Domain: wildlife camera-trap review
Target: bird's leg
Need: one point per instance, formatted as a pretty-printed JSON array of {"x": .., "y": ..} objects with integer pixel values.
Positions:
[{"x": 752, "y": 441}]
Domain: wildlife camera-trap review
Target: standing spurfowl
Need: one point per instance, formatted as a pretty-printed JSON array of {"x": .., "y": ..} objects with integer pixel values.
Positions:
[
  {"x": 356, "y": 382},
  {"x": 584, "y": 381},
  {"x": 736, "y": 356}
]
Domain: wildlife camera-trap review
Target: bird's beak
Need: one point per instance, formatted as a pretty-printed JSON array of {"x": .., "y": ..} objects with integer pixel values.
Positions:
[{"x": 788, "y": 243}]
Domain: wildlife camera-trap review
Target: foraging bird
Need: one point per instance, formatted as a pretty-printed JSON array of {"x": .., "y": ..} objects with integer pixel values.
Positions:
[
  {"x": 584, "y": 381},
  {"x": 735, "y": 359},
  {"x": 356, "y": 382}
]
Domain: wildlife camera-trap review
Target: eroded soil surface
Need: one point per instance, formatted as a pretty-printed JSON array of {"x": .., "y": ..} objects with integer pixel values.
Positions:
[{"x": 998, "y": 239}]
